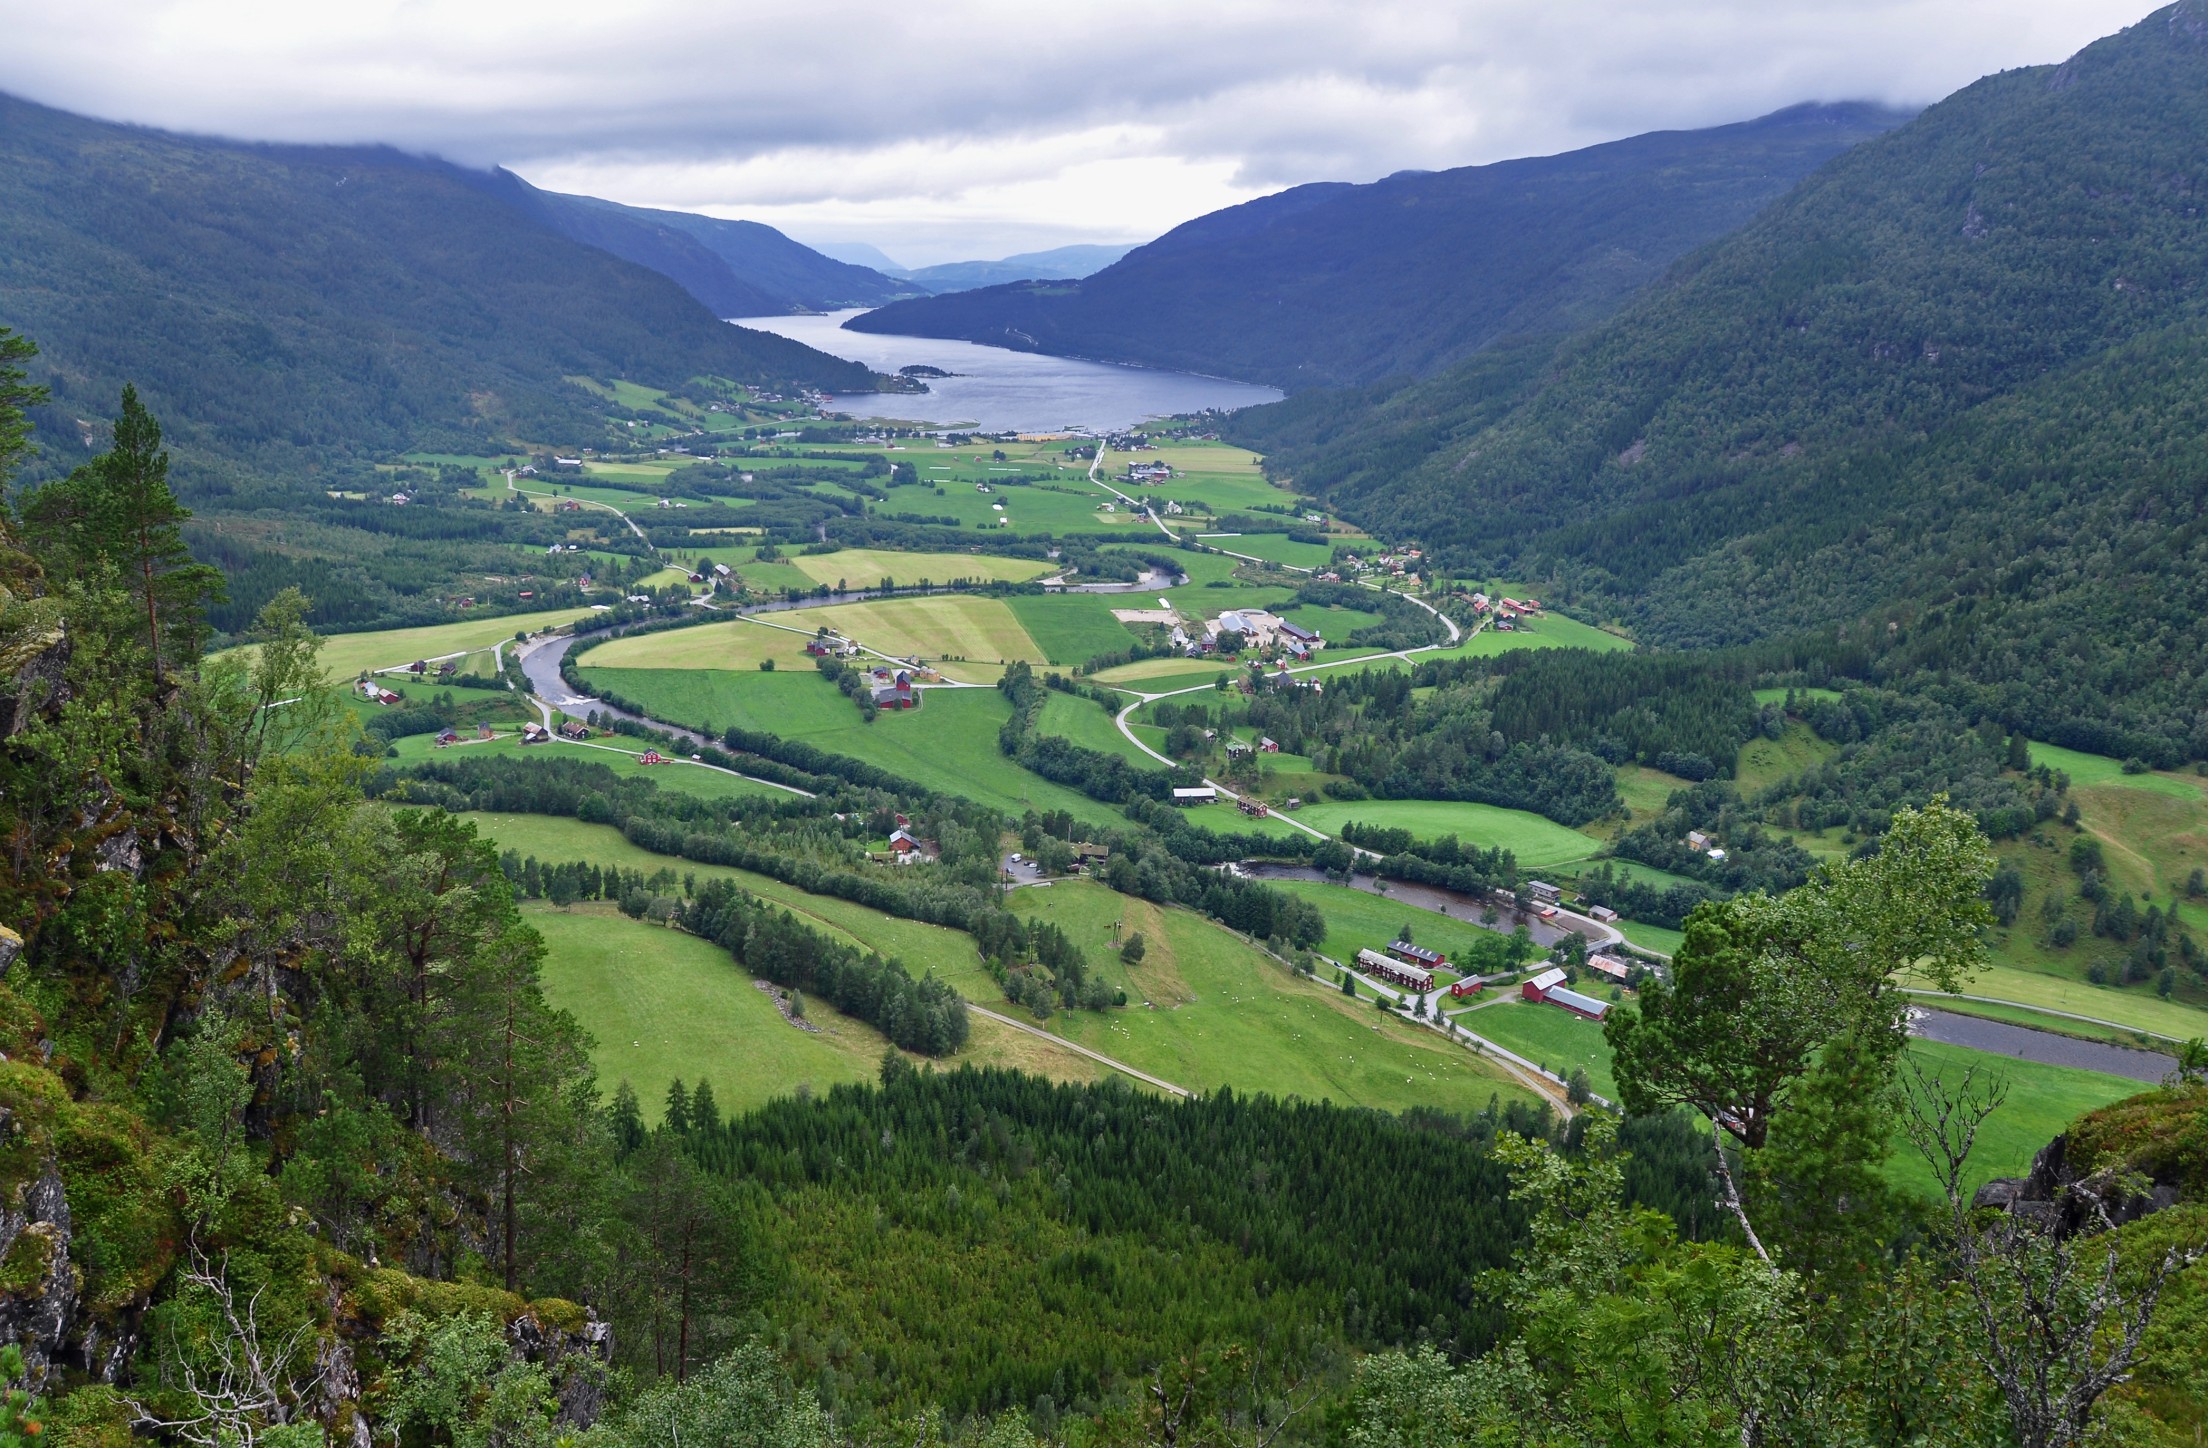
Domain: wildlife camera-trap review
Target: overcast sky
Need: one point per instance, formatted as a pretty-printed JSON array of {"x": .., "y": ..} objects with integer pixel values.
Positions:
[{"x": 949, "y": 129}]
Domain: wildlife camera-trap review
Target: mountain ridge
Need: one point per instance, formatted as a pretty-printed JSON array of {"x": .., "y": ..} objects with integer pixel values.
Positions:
[
  {"x": 1934, "y": 383},
  {"x": 284, "y": 308},
  {"x": 1334, "y": 283}
]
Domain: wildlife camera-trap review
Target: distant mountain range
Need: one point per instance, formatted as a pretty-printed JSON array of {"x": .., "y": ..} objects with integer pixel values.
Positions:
[
  {"x": 958, "y": 276},
  {"x": 1943, "y": 408},
  {"x": 286, "y": 308},
  {"x": 1332, "y": 284}
]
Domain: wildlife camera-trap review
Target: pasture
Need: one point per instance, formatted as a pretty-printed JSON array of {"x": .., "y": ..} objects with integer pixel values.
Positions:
[
  {"x": 1072, "y": 628},
  {"x": 2139, "y": 1009},
  {"x": 1085, "y": 723},
  {"x": 867, "y": 567},
  {"x": 661, "y": 1006},
  {"x": 1538, "y": 842},
  {"x": 345, "y": 655},
  {"x": 618, "y": 754},
  {"x": 948, "y": 744},
  {"x": 1359, "y": 919},
  {"x": 937, "y": 626},
  {"x": 1158, "y": 676},
  {"x": 1549, "y": 1036},
  {"x": 1274, "y": 548},
  {"x": 2090, "y": 770},
  {"x": 949, "y": 953},
  {"x": 741, "y": 644},
  {"x": 1221, "y": 1013}
]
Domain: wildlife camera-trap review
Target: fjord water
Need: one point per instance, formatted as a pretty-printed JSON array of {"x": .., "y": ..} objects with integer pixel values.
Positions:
[{"x": 998, "y": 390}]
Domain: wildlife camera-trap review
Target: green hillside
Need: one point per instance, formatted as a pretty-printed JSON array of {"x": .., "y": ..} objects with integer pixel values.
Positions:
[
  {"x": 287, "y": 310},
  {"x": 1332, "y": 284},
  {"x": 1956, "y": 372}
]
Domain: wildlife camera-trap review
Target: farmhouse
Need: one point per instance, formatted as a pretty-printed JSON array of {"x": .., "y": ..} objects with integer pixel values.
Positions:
[
  {"x": 1468, "y": 986},
  {"x": 447, "y": 736},
  {"x": 1091, "y": 854},
  {"x": 1411, "y": 954},
  {"x": 1256, "y": 809},
  {"x": 574, "y": 729},
  {"x": 1697, "y": 841},
  {"x": 1543, "y": 891},
  {"x": 1610, "y": 966},
  {"x": 535, "y": 734},
  {"x": 1395, "y": 972},
  {"x": 1296, "y": 635},
  {"x": 895, "y": 694},
  {"x": 1197, "y": 794}
]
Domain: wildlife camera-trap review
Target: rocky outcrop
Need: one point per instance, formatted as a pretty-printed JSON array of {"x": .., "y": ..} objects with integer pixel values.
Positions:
[
  {"x": 577, "y": 1357},
  {"x": 39, "y": 1288},
  {"x": 2058, "y": 1195}
]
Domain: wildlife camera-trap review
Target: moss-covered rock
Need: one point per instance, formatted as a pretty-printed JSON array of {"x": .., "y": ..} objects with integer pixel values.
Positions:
[{"x": 2161, "y": 1134}]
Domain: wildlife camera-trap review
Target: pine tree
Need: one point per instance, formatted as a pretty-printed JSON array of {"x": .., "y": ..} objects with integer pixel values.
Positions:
[
  {"x": 705, "y": 1113},
  {"x": 677, "y": 1119}
]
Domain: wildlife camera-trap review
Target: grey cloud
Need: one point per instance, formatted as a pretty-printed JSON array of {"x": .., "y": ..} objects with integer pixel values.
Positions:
[{"x": 1279, "y": 92}]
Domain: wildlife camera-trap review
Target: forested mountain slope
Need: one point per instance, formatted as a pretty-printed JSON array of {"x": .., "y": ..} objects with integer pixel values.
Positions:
[
  {"x": 1959, "y": 372},
  {"x": 737, "y": 268},
  {"x": 291, "y": 308},
  {"x": 1333, "y": 284}
]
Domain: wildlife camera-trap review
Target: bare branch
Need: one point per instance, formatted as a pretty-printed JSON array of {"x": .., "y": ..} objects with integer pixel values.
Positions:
[{"x": 1731, "y": 1199}]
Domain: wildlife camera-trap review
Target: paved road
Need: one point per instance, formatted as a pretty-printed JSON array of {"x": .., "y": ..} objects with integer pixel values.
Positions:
[{"x": 1999, "y": 1038}]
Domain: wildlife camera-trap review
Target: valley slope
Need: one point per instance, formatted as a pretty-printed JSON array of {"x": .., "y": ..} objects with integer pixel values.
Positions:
[
  {"x": 1331, "y": 283},
  {"x": 1941, "y": 405}
]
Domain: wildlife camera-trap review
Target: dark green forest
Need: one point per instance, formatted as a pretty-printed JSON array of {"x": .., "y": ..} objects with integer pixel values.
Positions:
[{"x": 1939, "y": 406}]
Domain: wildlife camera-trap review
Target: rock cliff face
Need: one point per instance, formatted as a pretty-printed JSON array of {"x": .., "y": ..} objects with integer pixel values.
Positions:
[
  {"x": 2141, "y": 1155},
  {"x": 38, "y": 1285},
  {"x": 2055, "y": 1194}
]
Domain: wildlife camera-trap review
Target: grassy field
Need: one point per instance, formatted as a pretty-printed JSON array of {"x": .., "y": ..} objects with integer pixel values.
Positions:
[
  {"x": 1660, "y": 938},
  {"x": 2042, "y": 1101},
  {"x": 2086, "y": 770},
  {"x": 1224, "y": 1014},
  {"x": 948, "y": 744},
  {"x": 866, "y": 567},
  {"x": 1157, "y": 676},
  {"x": 944, "y": 625},
  {"x": 1086, "y": 724},
  {"x": 1551, "y": 631},
  {"x": 1538, "y": 842},
  {"x": 740, "y": 644},
  {"x": 1549, "y": 1036},
  {"x": 1276, "y": 548},
  {"x": 1764, "y": 762},
  {"x": 619, "y": 755},
  {"x": 2139, "y": 1009},
  {"x": 345, "y": 655},
  {"x": 1358, "y": 919},
  {"x": 949, "y": 953},
  {"x": 662, "y": 1006},
  {"x": 1072, "y": 628}
]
